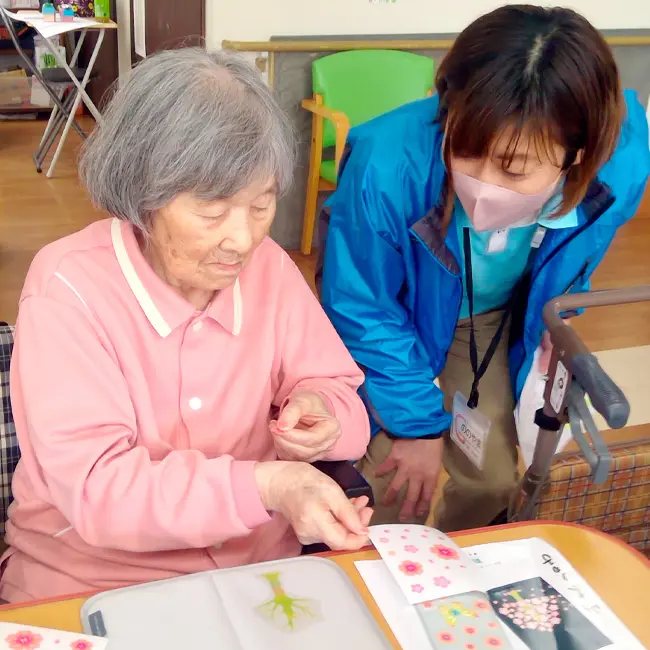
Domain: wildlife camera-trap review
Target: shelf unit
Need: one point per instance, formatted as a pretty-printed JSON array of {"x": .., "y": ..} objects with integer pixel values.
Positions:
[{"x": 7, "y": 50}]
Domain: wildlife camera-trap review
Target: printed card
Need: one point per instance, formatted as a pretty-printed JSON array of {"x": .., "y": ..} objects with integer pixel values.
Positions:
[
  {"x": 425, "y": 562},
  {"x": 25, "y": 637},
  {"x": 542, "y": 618},
  {"x": 463, "y": 622}
]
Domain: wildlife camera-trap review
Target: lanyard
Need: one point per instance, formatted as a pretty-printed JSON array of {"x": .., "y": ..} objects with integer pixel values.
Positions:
[{"x": 480, "y": 370}]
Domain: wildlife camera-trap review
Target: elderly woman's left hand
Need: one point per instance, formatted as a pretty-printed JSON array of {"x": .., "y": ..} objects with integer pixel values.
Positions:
[{"x": 305, "y": 430}]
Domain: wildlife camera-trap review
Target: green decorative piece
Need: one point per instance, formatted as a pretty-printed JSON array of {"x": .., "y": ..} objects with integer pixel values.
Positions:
[{"x": 285, "y": 610}]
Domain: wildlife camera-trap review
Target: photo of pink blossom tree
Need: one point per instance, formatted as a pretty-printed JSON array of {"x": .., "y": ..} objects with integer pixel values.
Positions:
[{"x": 542, "y": 618}]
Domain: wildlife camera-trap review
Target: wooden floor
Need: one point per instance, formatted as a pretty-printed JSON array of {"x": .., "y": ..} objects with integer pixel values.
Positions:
[{"x": 35, "y": 210}]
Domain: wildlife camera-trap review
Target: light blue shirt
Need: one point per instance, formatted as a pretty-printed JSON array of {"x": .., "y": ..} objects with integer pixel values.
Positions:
[{"x": 495, "y": 274}]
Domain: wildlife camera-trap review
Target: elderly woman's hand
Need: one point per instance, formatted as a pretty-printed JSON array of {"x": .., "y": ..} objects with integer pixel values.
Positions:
[
  {"x": 314, "y": 504},
  {"x": 305, "y": 429}
]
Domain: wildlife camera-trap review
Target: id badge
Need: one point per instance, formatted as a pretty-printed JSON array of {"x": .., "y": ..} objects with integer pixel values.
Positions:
[{"x": 469, "y": 430}]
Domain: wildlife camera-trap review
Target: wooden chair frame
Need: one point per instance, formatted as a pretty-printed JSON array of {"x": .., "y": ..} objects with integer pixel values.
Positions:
[{"x": 315, "y": 183}]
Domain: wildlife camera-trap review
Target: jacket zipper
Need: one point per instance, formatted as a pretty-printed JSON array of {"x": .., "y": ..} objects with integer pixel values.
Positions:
[
  {"x": 582, "y": 271},
  {"x": 568, "y": 240}
]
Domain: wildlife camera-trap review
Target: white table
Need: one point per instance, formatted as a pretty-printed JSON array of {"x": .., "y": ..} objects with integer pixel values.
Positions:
[{"x": 48, "y": 30}]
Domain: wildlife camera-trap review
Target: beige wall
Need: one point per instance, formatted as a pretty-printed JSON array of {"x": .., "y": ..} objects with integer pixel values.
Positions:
[{"x": 261, "y": 19}]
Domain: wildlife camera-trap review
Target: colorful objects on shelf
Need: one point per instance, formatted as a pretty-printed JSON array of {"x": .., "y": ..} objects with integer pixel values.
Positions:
[
  {"x": 66, "y": 13},
  {"x": 49, "y": 12},
  {"x": 102, "y": 11},
  {"x": 81, "y": 8}
]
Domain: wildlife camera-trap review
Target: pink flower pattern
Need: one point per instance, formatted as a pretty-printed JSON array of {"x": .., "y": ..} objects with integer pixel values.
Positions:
[
  {"x": 384, "y": 540},
  {"x": 81, "y": 644},
  {"x": 446, "y": 637},
  {"x": 410, "y": 568},
  {"x": 533, "y": 613},
  {"x": 409, "y": 548},
  {"x": 445, "y": 552},
  {"x": 24, "y": 640},
  {"x": 442, "y": 582},
  {"x": 418, "y": 589}
]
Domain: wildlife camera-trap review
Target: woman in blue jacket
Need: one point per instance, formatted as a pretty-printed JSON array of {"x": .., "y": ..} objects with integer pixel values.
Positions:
[{"x": 455, "y": 220}]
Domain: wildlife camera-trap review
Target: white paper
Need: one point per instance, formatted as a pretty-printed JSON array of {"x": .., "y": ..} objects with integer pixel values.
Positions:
[
  {"x": 402, "y": 618},
  {"x": 498, "y": 565},
  {"x": 547, "y": 563},
  {"x": 531, "y": 400},
  {"x": 48, "y": 29},
  {"x": 139, "y": 30},
  {"x": 425, "y": 563}
]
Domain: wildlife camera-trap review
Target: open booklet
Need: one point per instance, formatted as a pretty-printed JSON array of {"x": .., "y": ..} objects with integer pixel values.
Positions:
[{"x": 520, "y": 595}]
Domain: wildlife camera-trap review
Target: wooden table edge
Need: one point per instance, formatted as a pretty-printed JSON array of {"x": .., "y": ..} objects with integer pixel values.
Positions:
[{"x": 355, "y": 577}]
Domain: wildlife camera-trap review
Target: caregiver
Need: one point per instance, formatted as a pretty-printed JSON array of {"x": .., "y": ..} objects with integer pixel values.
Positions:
[{"x": 455, "y": 220}]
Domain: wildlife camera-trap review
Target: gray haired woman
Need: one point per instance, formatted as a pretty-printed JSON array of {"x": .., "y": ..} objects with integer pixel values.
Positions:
[{"x": 173, "y": 374}]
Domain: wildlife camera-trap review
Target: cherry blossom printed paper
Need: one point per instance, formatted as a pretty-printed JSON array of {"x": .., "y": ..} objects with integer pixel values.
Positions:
[
  {"x": 542, "y": 618},
  {"x": 425, "y": 562},
  {"x": 25, "y": 637},
  {"x": 463, "y": 622}
]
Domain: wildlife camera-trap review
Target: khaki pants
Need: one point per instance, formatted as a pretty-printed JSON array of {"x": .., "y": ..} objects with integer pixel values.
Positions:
[{"x": 471, "y": 497}]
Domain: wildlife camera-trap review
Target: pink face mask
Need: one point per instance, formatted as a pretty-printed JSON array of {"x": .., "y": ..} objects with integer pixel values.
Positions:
[{"x": 490, "y": 207}]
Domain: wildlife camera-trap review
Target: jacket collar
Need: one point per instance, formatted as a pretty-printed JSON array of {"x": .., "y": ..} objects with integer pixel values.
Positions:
[
  {"x": 429, "y": 229},
  {"x": 162, "y": 306}
]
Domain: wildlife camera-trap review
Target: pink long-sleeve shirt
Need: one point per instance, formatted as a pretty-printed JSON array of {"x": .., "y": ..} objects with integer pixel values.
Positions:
[{"x": 140, "y": 419}]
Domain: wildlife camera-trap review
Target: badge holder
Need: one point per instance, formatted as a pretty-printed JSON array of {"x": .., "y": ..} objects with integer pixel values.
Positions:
[{"x": 469, "y": 430}]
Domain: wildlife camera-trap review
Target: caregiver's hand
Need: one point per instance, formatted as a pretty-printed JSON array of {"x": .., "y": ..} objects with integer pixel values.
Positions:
[
  {"x": 305, "y": 429},
  {"x": 416, "y": 464},
  {"x": 314, "y": 504}
]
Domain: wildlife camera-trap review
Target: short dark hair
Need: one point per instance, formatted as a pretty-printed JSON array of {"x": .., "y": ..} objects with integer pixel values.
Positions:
[{"x": 544, "y": 70}]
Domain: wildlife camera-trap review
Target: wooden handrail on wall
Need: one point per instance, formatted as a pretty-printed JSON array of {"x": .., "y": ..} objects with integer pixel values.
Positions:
[{"x": 402, "y": 44}]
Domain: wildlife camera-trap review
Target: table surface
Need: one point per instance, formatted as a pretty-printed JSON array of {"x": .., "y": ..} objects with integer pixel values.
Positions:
[
  {"x": 34, "y": 18},
  {"x": 620, "y": 575}
]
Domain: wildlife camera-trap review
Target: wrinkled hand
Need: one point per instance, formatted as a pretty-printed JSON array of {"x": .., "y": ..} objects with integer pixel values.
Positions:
[
  {"x": 547, "y": 351},
  {"x": 416, "y": 462},
  {"x": 305, "y": 429},
  {"x": 314, "y": 504}
]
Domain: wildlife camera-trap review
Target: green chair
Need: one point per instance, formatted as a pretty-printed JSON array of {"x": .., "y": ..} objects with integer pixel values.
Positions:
[{"x": 351, "y": 88}]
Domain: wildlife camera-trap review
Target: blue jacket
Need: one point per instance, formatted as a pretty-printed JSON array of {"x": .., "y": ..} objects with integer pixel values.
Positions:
[{"x": 391, "y": 280}]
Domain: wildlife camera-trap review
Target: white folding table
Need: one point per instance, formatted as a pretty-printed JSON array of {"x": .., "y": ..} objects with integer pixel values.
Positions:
[{"x": 48, "y": 30}]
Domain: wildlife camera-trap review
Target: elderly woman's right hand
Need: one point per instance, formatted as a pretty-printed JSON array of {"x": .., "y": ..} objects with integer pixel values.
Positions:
[{"x": 314, "y": 504}]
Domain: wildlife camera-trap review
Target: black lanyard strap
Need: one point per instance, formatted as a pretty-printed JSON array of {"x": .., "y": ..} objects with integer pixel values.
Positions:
[{"x": 480, "y": 370}]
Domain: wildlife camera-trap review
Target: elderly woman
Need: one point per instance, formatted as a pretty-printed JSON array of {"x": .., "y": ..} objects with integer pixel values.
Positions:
[{"x": 173, "y": 375}]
